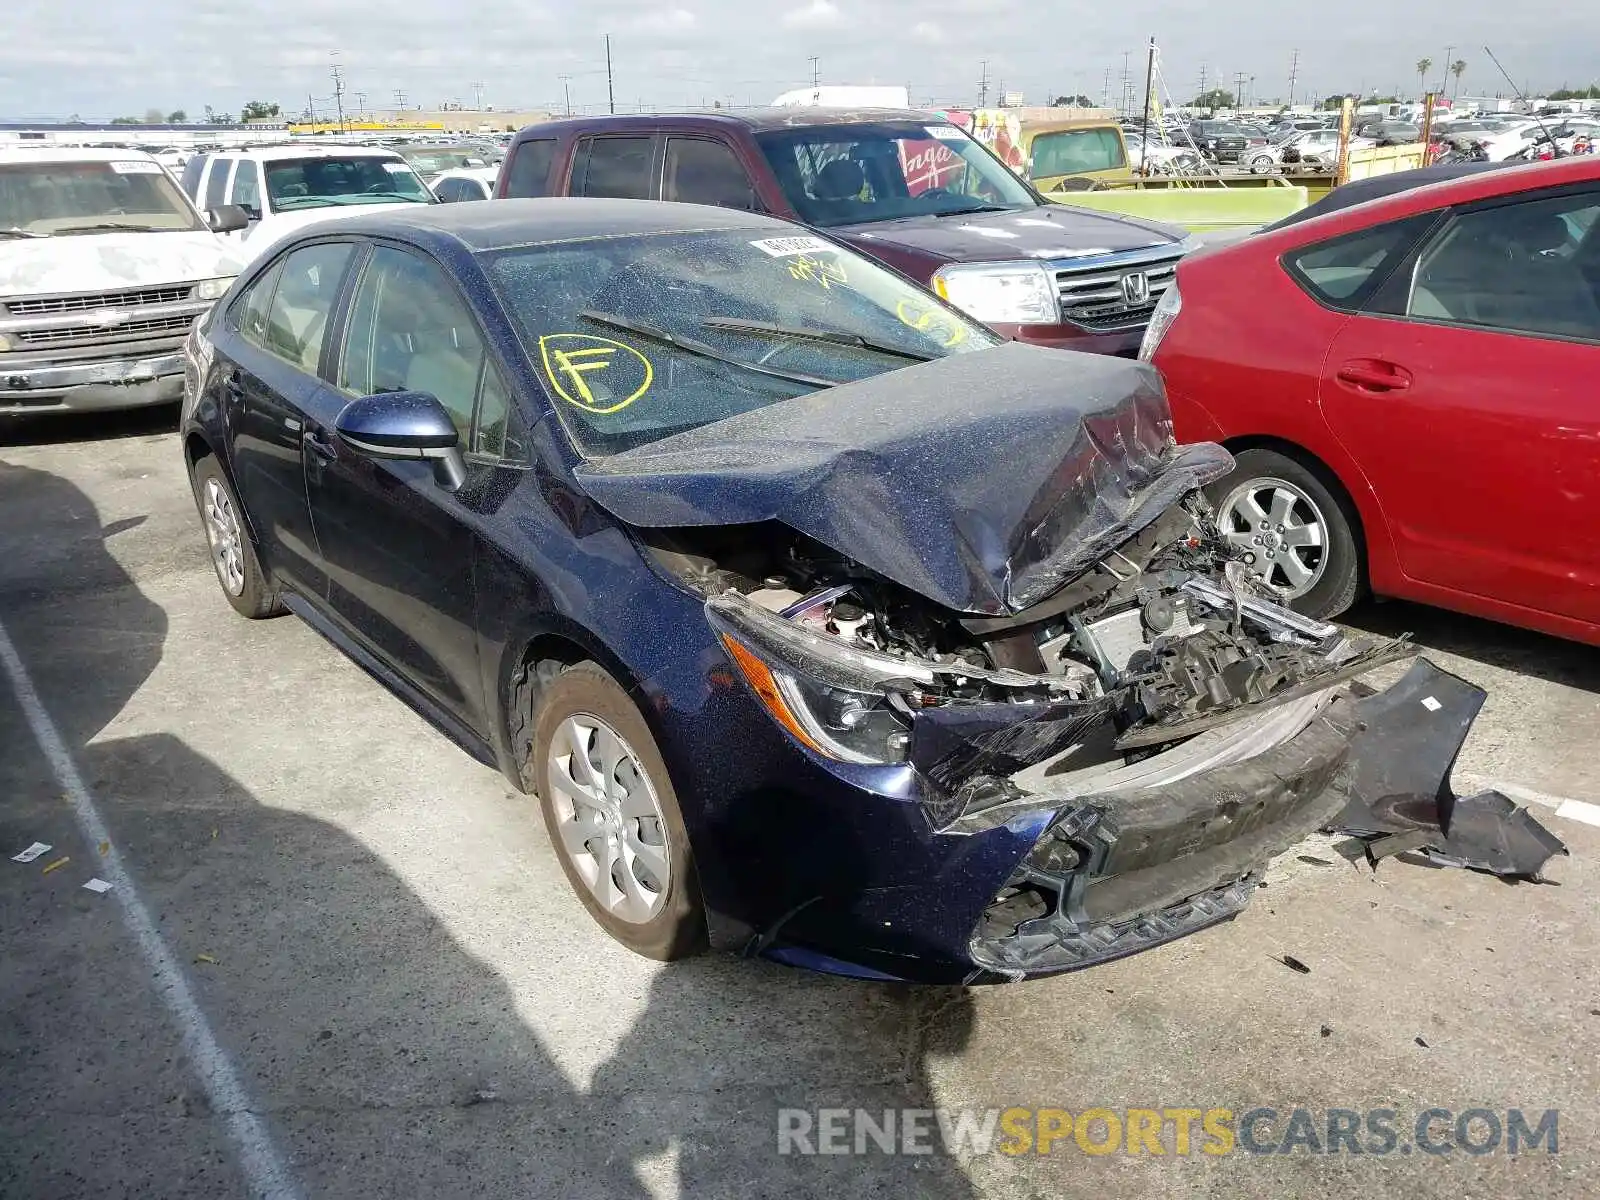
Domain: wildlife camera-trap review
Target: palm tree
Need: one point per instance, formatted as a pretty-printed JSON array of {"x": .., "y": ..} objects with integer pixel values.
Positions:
[
  {"x": 1424, "y": 65},
  {"x": 1458, "y": 69}
]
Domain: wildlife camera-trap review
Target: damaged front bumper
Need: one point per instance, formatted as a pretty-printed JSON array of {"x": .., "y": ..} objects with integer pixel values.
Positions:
[{"x": 1148, "y": 853}]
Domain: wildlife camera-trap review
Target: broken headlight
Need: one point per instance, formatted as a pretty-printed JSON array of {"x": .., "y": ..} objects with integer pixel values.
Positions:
[{"x": 833, "y": 698}]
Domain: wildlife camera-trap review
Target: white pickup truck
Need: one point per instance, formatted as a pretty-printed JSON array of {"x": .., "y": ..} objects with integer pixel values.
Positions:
[{"x": 104, "y": 265}]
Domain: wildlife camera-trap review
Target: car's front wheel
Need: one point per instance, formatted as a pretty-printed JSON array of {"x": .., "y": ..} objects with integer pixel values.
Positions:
[
  {"x": 1299, "y": 534},
  {"x": 612, "y": 814},
  {"x": 1261, "y": 164},
  {"x": 233, "y": 555}
]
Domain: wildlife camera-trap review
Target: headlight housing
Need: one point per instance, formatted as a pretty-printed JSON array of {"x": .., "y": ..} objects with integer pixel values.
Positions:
[
  {"x": 1167, "y": 310},
  {"x": 1010, "y": 293},
  {"x": 212, "y": 289},
  {"x": 832, "y": 697},
  {"x": 5, "y": 343}
]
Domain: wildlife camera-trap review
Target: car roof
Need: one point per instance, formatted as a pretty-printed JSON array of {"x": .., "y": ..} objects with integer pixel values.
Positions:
[
  {"x": 757, "y": 120},
  {"x": 498, "y": 224},
  {"x": 276, "y": 153},
  {"x": 58, "y": 154},
  {"x": 1403, "y": 193}
]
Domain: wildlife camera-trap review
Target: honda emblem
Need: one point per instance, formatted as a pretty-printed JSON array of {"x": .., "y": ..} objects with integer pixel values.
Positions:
[{"x": 1136, "y": 287}]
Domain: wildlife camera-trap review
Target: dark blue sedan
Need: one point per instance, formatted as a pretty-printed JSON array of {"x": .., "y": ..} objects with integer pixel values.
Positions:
[{"x": 824, "y": 625}]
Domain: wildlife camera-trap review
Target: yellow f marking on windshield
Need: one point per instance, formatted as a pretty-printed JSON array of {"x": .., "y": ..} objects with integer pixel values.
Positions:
[{"x": 596, "y": 374}]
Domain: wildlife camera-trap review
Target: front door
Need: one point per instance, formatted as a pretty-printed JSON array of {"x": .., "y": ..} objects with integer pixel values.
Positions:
[
  {"x": 1475, "y": 406},
  {"x": 398, "y": 547}
]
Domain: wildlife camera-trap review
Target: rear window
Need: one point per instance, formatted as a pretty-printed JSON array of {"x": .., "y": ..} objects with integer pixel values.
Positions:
[
  {"x": 528, "y": 172},
  {"x": 618, "y": 167},
  {"x": 1075, "y": 151},
  {"x": 1344, "y": 272}
]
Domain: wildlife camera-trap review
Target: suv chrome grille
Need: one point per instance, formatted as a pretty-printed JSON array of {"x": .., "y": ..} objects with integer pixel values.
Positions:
[
  {"x": 82, "y": 335},
  {"x": 1100, "y": 296},
  {"x": 54, "y": 305}
]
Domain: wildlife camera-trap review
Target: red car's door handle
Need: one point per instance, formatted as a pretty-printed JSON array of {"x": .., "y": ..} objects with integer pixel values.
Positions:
[{"x": 1374, "y": 375}]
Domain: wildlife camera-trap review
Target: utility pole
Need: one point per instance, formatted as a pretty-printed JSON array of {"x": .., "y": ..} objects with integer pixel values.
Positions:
[
  {"x": 816, "y": 80},
  {"x": 477, "y": 90},
  {"x": 1238, "y": 88},
  {"x": 1444, "y": 76},
  {"x": 983, "y": 86},
  {"x": 611, "y": 91},
  {"x": 1105, "y": 92},
  {"x": 1202, "y": 90},
  {"x": 1126, "y": 102},
  {"x": 1294, "y": 73},
  {"x": 566, "y": 90},
  {"x": 338, "y": 90},
  {"x": 361, "y": 104},
  {"x": 1144, "y": 127},
  {"x": 399, "y": 100},
  {"x": 311, "y": 108}
]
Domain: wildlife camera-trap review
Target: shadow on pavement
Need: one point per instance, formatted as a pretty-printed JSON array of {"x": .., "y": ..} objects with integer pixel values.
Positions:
[
  {"x": 385, "y": 1058},
  {"x": 1555, "y": 660},
  {"x": 55, "y": 428}
]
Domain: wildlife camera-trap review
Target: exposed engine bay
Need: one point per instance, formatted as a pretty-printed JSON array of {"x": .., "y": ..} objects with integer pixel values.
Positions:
[{"x": 1168, "y": 635}]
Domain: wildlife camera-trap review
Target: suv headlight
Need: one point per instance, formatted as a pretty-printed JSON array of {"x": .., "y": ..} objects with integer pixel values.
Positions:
[
  {"x": 1018, "y": 293},
  {"x": 5, "y": 343},
  {"x": 212, "y": 289},
  {"x": 1167, "y": 310},
  {"x": 832, "y": 697}
]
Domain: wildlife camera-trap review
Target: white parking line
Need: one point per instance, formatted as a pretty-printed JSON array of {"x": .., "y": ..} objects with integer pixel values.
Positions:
[
  {"x": 1573, "y": 810},
  {"x": 265, "y": 1172}
]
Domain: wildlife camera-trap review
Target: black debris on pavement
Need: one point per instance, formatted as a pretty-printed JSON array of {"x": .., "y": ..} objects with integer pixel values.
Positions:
[
  {"x": 1420, "y": 1042},
  {"x": 1294, "y": 964}
]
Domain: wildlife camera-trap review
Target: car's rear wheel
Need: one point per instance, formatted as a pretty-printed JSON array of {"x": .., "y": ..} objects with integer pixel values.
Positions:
[
  {"x": 233, "y": 556},
  {"x": 1298, "y": 532},
  {"x": 612, "y": 814},
  {"x": 1261, "y": 164}
]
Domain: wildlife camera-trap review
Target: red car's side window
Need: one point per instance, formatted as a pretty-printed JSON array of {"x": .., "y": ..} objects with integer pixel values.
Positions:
[{"x": 1345, "y": 272}]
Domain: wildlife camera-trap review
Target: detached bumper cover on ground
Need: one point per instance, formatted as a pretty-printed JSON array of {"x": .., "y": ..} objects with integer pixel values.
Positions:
[{"x": 1119, "y": 872}]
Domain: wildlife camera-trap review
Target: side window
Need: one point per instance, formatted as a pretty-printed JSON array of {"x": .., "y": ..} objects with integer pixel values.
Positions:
[
  {"x": 1345, "y": 271},
  {"x": 303, "y": 303},
  {"x": 217, "y": 182},
  {"x": 528, "y": 173},
  {"x": 410, "y": 332},
  {"x": 247, "y": 187},
  {"x": 500, "y": 432},
  {"x": 192, "y": 171},
  {"x": 251, "y": 309},
  {"x": 615, "y": 166},
  {"x": 701, "y": 171},
  {"x": 1517, "y": 267},
  {"x": 448, "y": 190}
]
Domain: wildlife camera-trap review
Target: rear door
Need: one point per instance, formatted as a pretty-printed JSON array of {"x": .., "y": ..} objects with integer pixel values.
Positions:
[
  {"x": 1467, "y": 390},
  {"x": 267, "y": 370},
  {"x": 398, "y": 547},
  {"x": 702, "y": 170}
]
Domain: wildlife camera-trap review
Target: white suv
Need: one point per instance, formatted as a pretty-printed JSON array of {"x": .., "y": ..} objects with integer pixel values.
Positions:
[{"x": 283, "y": 188}]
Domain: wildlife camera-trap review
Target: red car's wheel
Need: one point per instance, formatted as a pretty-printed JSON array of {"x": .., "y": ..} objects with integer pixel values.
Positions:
[{"x": 1300, "y": 535}]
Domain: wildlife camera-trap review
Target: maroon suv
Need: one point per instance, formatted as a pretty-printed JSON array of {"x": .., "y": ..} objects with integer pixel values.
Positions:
[{"x": 910, "y": 189}]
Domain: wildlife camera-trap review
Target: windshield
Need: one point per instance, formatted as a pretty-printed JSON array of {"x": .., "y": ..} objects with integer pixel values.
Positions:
[
  {"x": 1076, "y": 151},
  {"x": 300, "y": 183},
  {"x": 850, "y": 174},
  {"x": 48, "y": 198},
  {"x": 640, "y": 337}
]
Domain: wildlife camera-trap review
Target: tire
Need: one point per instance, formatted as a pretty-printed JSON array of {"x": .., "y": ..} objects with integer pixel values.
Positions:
[
  {"x": 660, "y": 919},
  {"x": 1256, "y": 488},
  {"x": 233, "y": 554},
  {"x": 1261, "y": 164}
]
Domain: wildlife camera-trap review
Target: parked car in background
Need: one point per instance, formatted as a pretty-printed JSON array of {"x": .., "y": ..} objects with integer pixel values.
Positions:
[
  {"x": 907, "y": 188},
  {"x": 430, "y": 160},
  {"x": 1160, "y": 158},
  {"x": 104, "y": 266},
  {"x": 824, "y": 625},
  {"x": 1312, "y": 148},
  {"x": 1407, "y": 387},
  {"x": 284, "y": 188},
  {"x": 1220, "y": 141},
  {"x": 464, "y": 183}
]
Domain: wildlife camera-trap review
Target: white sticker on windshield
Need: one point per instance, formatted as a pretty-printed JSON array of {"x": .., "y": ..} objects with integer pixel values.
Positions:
[
  {"x": 135, "y": 167},
  {"x": 946, "y": 133},
  {"x": 784, "y": 247},
  {"x": 396, "y": 168}
]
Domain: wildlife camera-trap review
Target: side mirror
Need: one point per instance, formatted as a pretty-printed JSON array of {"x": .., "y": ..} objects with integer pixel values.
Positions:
[
  {"x": 227, "y": 218},
  {"x": 405, "y": 425}
]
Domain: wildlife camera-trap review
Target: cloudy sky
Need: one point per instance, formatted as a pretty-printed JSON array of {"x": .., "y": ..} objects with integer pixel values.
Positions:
[{"x": 60, "y": 57}]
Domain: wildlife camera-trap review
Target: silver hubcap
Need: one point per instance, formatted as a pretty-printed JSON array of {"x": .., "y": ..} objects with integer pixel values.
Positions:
[
  {"x": 222, "y": 529},
  {"x": 609, "y": 819},
  {"x": 1282, "y": 529}
]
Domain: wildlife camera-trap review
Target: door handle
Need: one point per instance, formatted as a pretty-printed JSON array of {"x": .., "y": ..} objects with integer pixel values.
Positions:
[
  {"x": 320, "y": 446},
  {"x": 232, "y": 386},
  {"x": 1374, "y": 375}
]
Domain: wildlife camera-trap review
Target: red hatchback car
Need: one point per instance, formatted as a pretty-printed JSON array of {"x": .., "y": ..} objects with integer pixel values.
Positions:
[{"x": 1411, "y": 388}]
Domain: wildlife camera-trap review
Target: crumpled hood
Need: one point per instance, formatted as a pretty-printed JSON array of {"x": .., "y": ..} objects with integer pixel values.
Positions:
[
  {"x": 1048, "y": 232},
  {"x": 982, "y": 481},
  {"x": 104, "y": 262}
]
